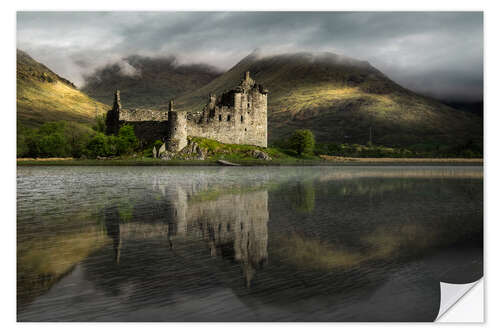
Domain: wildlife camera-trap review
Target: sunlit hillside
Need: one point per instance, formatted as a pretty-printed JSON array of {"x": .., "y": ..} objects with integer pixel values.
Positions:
[
  {"x": 44, "y": 96},
  {"x": 340, "y": 99}
]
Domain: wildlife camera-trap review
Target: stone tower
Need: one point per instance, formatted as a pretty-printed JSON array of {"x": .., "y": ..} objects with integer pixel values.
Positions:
[
  {"x": 113, "y": 116},
  {"x": 236, "y": 116},
  {"x": 177, "y": 129}
]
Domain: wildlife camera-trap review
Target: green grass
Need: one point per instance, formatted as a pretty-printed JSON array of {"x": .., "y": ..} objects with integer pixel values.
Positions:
[
  {"x": 235, "y": 152},
  {"x": 424, "y": 150}
]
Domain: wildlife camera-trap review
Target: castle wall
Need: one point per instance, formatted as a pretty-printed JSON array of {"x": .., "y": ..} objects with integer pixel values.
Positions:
[
  {"x": 149, "y": 125},
  {"x": 242, "y": 121},
  {"x": 149, "y": 131},
  {"x": 138, "y": 115},
  {"x": 238, "y": 116}
]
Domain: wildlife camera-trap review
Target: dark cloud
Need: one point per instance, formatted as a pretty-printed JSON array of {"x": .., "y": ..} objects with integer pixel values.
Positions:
[{"x": 438, "y": 53}]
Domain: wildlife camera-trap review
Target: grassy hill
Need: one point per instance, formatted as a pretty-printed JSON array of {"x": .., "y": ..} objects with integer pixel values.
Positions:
[
  {"x": 339, "y": 99},
  {"x": 44, "y": 96},
  {"x": 147, "y": 82}
]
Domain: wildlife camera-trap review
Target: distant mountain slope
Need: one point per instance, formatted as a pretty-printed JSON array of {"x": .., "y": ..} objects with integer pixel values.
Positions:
[
  {"x": 43, "y": 96},
  {"x": 340, "y": 99},
  {"x": 147, "y": 82}
]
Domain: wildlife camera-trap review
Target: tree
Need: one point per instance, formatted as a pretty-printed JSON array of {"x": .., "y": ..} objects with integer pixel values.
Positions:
[
  {"x": 127, "y": 141},
  {"x": 53, "y": 145},
  {"x": 98, "y": 145},
  {"x": 100, "y": 123},
  {"x": 302, "y": 141},
  {"x": 48, "y": 141}
]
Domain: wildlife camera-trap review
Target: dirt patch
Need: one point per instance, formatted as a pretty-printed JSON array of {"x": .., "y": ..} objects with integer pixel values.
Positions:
[{"x": 45, "y": 159}]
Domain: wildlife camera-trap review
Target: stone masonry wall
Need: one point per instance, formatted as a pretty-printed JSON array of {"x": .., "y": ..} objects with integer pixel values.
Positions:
[
  {"x": 149, "y": 125},
  {"x": 149, "y": 131},
  {"x": 137, "y": 115},
  {"x": 238, "y": 116}
]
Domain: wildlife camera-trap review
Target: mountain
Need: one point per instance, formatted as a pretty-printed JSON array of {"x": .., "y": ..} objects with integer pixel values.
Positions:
[
  {"x": 147, "y": 82},
  {"x": 340, "y": 99},
  {"x": 475, "y": 107},
  {"x": 43, "y": 96}
]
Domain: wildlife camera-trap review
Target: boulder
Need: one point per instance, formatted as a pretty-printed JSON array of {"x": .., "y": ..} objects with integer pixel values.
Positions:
[
  {"x": 192, "y": 152},
  {"x": 162, "y": 149},
  {"x": 167, "y": 155},
  {"x": 201, "y": 154},
  {"x": 261, "y": 155}
]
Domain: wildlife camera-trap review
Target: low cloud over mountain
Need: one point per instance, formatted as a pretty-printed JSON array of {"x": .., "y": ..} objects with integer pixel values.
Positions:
[{"x": 439, "y": 54}]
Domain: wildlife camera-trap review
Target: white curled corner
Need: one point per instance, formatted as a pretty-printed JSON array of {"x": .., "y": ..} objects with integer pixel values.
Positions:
[{"x": 451, "y": 294}]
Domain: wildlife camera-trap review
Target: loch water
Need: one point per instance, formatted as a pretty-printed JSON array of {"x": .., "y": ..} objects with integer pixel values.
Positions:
[{"x": 326, "y": 243}]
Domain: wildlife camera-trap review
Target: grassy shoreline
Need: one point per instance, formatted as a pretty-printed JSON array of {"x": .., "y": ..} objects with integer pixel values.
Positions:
[{"x": 326, "y": 160}]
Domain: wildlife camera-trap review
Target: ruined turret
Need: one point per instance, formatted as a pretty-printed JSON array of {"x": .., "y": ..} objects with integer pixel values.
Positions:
[
  {"x": 113, "y": 116},
  {"x": 246, "y": 84},
  {"x": 235, "y": 116},
  {"x": 177, "y": 129},
  {"x": 212, "y": 98},
  {"x": 117, "y": 105}
]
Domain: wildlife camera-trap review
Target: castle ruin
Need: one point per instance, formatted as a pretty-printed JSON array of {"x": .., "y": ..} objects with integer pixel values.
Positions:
[{"x": 237, "y": 116}]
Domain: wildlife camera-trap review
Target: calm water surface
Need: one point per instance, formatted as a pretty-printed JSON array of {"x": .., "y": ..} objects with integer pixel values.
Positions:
[{"x": 244, "y": 244}]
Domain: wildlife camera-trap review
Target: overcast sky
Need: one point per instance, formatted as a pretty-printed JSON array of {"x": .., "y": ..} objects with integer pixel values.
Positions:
[{"x": 434, "y": 53}]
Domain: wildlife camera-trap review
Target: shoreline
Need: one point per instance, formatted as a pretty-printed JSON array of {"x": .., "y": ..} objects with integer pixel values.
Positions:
[{"x": 325, "y": 161}]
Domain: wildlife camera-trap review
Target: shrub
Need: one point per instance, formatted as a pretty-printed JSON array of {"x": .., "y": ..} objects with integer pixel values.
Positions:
[
  {"x": 302, "y": 141},
  {"x": 53, "y": 145},
  {"x": 100, "y": 124},
  {"x": 53, "y": 139},
  {"x": 77, "y": 136},
  {"x": 23, "y": 137},
  {"x": 102, "y": 145},
  {"x": 98, "y": 146},
  {"x": 126, "y": 142},
  {"x": 65, "y": 139}
]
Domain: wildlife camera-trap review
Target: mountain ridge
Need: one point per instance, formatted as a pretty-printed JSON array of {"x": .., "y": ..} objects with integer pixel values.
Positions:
[
  {"x": 340, "y": 99},
  {"x": 42, "y": 96},
  {"x": 147, "y": 81}
]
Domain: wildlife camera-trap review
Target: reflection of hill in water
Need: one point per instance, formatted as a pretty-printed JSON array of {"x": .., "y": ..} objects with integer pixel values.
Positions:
[{"x": 287, "y": 244}]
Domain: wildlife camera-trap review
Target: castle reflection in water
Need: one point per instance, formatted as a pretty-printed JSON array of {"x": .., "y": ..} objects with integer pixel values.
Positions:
[
  {"x": 234, "y": 226},
  {"x": 226, "y": 244}
]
